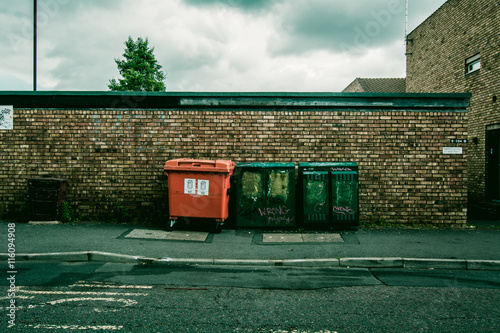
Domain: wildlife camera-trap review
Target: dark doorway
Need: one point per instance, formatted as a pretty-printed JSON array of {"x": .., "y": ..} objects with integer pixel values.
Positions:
[{"x": 493, "y": 163}]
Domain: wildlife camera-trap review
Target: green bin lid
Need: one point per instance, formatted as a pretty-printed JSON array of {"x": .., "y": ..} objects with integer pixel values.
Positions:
[
  {"x": 327, "y": 164},
  {"x": 266, "y": 165}
]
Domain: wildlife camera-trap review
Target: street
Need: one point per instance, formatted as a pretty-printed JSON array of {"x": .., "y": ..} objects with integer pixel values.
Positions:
[{"x": 57, "y": 297}]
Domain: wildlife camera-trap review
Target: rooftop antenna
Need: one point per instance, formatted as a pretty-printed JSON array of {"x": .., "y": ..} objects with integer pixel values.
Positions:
[
  {"x": 406, "y": 23},
  {"x": 34, "y": 43},
  {"x": 406, "y": 39}
]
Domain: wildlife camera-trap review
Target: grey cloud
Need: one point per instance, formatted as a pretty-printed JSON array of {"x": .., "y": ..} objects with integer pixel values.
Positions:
[
  {"x": 17, "y": 8},
  {"x": 16, "y": 24},
  {"x": 57, "y": 7},
  {"x": 250, "y": 5},
  {"x": 48, "y": 9},
  {"x": 79, "y": 40},
  {"x": 78, "y": 47},
  {"x": 20, "y": 15},
  {"x": 86, "y": 64},
  {"x": 338, "y": 26}
]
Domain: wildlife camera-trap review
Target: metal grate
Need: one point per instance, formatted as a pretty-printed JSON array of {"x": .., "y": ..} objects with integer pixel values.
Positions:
[
  {"x": 316, "y": 217},
  {"x": 316, "y": 176}
]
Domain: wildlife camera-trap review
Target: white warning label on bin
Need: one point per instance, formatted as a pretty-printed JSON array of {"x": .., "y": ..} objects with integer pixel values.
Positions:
[
  {"x": 189, "y": 186},
  {"x": 198, "y": 187},
  {"x": 203, "y": 187}
]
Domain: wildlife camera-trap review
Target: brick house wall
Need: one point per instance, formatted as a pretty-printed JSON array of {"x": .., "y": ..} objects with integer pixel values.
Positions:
[
  {"x": 116, "y": 154},
  {"x": 354, "y": 86},
  {"x": 436, "y": 54}
]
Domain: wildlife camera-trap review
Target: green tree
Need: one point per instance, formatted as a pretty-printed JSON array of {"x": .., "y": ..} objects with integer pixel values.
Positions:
[{"x": 140, "y": 69}]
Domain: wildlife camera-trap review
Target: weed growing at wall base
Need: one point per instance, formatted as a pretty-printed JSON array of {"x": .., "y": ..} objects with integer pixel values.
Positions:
[
  {"x": 68, "y": 215},
  {"x": 120, "y": 212}
]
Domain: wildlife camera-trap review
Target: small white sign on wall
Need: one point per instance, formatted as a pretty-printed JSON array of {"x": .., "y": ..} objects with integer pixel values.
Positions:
[
  {"x": 452, "y": 150},
  {"x": 6, "y": 117}
]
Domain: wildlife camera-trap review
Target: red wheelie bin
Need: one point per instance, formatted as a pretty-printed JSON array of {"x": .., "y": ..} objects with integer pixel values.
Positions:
[{"x": 198, "y": 189}]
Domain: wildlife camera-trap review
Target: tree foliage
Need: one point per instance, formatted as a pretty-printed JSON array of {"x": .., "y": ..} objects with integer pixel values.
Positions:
[{"x": 140, "y": 70}]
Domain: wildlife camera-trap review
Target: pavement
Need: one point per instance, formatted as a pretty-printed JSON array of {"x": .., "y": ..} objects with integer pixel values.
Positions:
[{"x": 465, "y": 249}]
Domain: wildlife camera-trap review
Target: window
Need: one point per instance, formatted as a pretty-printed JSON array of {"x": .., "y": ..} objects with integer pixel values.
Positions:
[{"x": 473, "y": 64}]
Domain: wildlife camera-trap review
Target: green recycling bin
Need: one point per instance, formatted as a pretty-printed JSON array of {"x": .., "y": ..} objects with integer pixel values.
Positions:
[
  {"x": 265, "y": 195},
  {"x": 329, "y": 195}
]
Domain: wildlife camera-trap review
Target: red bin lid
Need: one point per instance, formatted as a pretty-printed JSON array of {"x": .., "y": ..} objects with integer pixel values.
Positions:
[{"x": 187, "y": 164}]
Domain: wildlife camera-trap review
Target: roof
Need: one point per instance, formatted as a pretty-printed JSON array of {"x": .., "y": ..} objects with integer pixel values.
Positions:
[
  {"x": 234, "y": 100},
  {"x": 377, "y": 85}
]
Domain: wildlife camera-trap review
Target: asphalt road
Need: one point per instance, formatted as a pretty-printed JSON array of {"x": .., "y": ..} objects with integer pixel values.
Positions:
[
  {"x": 82, "y": 297},
  {"x": 88, "y": 306},
  {"x": 60, "y": 274}
]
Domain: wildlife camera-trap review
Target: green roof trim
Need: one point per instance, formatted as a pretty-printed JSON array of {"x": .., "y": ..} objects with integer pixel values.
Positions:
[
  {"x": 234, "y": 100},
  {"x": 327, "y": 164},
  {"x": 266, "y": 165}
]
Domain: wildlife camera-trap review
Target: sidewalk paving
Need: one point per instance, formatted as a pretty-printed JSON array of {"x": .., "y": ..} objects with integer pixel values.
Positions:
[{"x": 447, "y": 249}]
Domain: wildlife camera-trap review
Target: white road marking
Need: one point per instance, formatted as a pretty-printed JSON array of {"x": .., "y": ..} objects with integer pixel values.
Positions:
[
  {"x": 104, "y": 293},
  {"x": 17, "y": 297},
  {"x": 76, "y": 327},
  {"x": 300, "y": 331},
  {"x": 126, "y": 302},
  {"x": 100, "y": 285}
]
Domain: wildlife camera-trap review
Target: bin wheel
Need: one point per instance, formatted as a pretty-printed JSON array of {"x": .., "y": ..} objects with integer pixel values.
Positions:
[
  {"x": 218, "y": 227},
  {"x": 170, "y": 225}
]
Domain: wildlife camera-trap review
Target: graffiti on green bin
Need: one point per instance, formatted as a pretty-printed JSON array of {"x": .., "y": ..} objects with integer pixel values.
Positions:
[
  {"x": 343, "y": 210},
  {"x": 277, "y": 215},
  {"x": 272, "y": 211}
]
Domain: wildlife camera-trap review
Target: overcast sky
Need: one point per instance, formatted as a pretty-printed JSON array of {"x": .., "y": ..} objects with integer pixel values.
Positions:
[{"x": 209, "y": 45}]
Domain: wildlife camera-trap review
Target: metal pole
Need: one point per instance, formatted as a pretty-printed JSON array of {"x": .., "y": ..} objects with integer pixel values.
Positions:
[
  {"x": 34, "y": 43},
  {"x": 406, "y": 39}
]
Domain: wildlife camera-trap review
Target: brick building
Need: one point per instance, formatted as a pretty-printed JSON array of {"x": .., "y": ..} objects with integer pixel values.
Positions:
[{"x": 457, "y": 49}]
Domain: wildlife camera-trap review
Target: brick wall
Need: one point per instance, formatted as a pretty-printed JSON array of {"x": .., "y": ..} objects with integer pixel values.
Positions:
[
  {"x": 112, "y": 155},
  {"x": 437, "y": 51}
]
